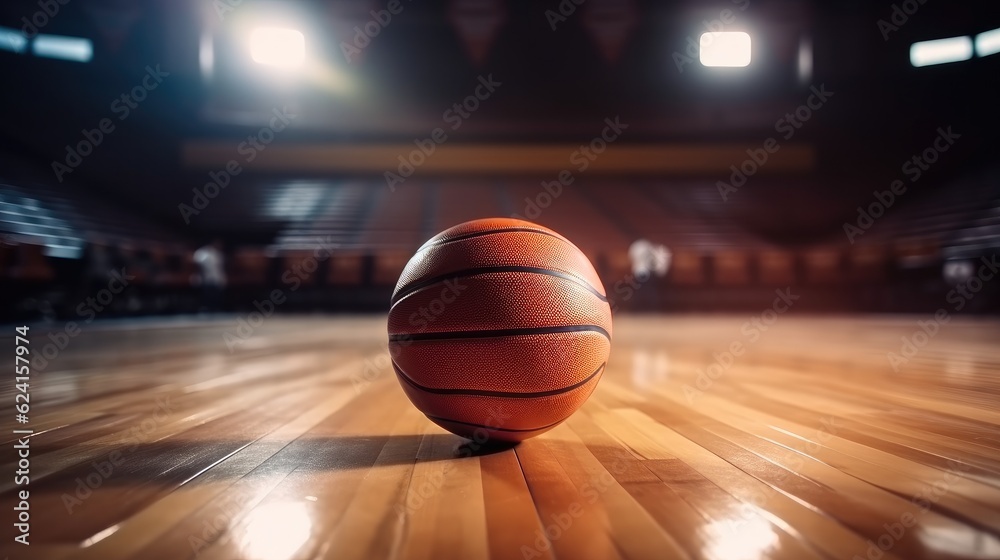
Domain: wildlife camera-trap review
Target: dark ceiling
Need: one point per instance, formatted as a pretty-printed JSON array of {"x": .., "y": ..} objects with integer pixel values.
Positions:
[{"x": 607, "y": 58}]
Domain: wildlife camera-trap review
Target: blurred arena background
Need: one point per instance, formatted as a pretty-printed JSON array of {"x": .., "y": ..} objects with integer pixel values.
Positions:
[
  {"x": 174, "y": 172},
  {"x": 318, "y": 144}
]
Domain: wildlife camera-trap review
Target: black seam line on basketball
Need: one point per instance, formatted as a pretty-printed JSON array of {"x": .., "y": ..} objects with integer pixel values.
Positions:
[
  {"x": 488, "y": 232},
  {"x": 504, "y": 394},
  {"x": 498, "y": 429},
  {"x": 448, "y": 335},
  {"x": 417, "y": 286}
]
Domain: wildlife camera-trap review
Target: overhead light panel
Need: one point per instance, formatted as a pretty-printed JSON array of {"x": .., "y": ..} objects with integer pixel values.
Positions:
[
  {"x": 988, "y": 43},
  {"x": 76, "y": 49},
  {"x": 940, "y": 51},
  {"x": 729, "y": 49},
  {"x": 278, "y": 47}
]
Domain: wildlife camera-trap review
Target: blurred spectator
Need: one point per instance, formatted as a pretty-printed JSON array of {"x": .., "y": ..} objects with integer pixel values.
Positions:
[
  {"x": 650, "y": 263},
  {"x": 212, "y": 275},
  {"x": 649, "y": 259},
  {"x": 956, "y": 271}
]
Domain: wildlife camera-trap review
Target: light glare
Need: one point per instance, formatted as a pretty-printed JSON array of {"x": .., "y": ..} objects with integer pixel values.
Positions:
[
  {"x": 12, "y": 40},
  {"x": 276, "y": 531},
  {"x": 940, "y": 51},
  {"x": 724, "y": 48},
  {"x": 273, "y": 46},
  {"x": 740, "y": 538}
]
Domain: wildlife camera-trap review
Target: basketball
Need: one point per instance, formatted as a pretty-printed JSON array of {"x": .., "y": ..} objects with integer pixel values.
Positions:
[{"x": 499, "y": 329}]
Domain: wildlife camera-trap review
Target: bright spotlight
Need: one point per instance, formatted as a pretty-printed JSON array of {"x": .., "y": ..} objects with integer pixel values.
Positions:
[
  {"x": 724, "y": 48},
  {"x": 274, "y": 46},
  {"x": 988, "y": 42},
  {"x": 940, "y": 51}
]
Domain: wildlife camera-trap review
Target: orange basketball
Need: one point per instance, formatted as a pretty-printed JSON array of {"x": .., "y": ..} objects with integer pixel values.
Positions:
[{"x": 499, "y": 329}]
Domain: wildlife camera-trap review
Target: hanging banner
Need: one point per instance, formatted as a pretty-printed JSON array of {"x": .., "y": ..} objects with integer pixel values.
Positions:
[
  {"x": 610, "y": 23},
  {"x": 477, "y": 23}
]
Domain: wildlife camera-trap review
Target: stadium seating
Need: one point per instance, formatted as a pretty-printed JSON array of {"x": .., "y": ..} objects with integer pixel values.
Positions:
[{"x": 371, "y": 232}]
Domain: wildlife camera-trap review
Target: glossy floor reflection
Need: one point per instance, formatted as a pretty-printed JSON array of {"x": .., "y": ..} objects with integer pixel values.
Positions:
[{"x": 810, "y": 438}]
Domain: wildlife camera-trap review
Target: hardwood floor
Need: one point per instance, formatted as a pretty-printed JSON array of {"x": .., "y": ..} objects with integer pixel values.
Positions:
[{"x": 708, "y": 437}]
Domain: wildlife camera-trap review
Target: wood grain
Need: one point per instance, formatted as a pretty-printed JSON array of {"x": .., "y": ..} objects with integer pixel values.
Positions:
[{"x": 153, "y": 440}]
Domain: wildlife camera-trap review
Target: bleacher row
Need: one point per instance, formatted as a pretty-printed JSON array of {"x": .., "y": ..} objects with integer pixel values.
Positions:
[
  {"x": 26, "y": 262},
  {"x": 254, "y": 271},
  {"x": 373, "y": 231},
  {"x": 252, "y": 267},
  {"x": 354, "y": 280},
  {"x": 61, "y": 219},
  {"x": 600, "y": 217},
  {"x": 962, "y": 220}
]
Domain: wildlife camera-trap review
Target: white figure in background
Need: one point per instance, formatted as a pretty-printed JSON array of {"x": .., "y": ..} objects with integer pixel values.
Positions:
[
  {"x": 957, "y": 271},
  {"x": 650, "y": 262},
  {"x": 212, "y": 275},
  {"x": 648, "y": 259}
]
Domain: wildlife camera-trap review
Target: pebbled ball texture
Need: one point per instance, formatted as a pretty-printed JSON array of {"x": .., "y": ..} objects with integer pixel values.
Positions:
[{"x": 499, "y": 329}]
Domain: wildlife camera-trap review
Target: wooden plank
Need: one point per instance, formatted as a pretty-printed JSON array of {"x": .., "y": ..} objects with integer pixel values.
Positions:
[{"x": 299, "y": 443}]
